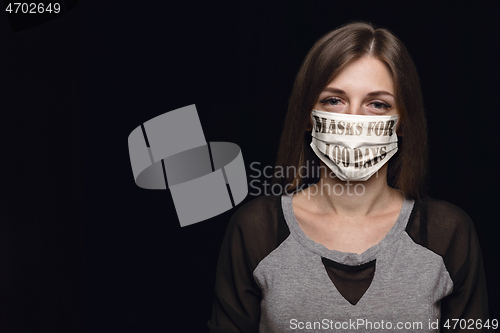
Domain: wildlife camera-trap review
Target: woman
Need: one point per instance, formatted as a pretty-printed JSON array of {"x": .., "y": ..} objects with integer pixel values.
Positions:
[{"x": 362, "y": 248}]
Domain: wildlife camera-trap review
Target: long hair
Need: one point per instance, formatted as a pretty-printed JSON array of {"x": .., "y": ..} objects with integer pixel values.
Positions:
[{"x": 327, "y": 58}]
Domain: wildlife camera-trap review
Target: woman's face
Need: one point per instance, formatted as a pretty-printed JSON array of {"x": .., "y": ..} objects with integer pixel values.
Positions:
[{"x": 365, "y": 87}]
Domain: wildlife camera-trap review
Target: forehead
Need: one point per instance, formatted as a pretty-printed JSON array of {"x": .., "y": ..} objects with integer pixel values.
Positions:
[{"x": 364, "y": 74}]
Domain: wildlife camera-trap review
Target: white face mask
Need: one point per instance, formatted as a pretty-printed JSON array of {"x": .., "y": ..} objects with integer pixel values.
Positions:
[{"x": 354, "y": 147}]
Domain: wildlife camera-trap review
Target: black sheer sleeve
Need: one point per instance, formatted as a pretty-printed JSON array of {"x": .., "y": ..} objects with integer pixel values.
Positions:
[
  {"x": 448, "y": 231},
  {"x": 252, "y": 234}
]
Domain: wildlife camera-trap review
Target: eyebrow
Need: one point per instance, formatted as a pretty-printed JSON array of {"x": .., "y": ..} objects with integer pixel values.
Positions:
[{"x": 373, "y": 93}]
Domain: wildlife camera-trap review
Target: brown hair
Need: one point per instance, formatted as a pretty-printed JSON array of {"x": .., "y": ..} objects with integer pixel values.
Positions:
[{"x": 327, "y": 58}]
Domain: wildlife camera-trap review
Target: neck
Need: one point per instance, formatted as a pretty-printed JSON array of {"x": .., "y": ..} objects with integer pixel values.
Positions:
[{"x": 352, "y": 198}]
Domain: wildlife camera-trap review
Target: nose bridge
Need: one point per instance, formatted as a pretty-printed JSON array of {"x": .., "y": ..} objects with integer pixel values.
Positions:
[{"x": 355, "y": 107}]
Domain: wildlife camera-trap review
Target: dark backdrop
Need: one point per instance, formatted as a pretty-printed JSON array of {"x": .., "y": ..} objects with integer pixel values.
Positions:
[
  {"x": 41, "y": 178},
  {"x": 237, "y": 61}
]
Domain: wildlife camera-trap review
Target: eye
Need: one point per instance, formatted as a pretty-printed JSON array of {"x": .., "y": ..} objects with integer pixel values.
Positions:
[
  {"x": 380, "y": 105},
  {"x": 330, "y": 101}
]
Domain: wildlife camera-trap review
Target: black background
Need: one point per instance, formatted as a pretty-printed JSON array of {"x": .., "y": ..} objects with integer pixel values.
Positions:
[
  {"x": 41, "y": 206},
  {"x": 237, "y": 62}
]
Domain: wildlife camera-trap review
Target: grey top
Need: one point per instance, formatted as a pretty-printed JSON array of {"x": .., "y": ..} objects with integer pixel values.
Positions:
[
  {"x": 271, "y": 277},
  {"x": 408, "y": 283}
]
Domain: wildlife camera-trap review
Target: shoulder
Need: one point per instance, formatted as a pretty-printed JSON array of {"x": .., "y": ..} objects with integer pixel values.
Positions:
[
  {"x": 451, "y": 234},
  {"x": 256, "y": 218},
  {"x": 446, "y": 218},
  {"x": 442, "y": 227},
  {"x": 256, "y": 210},
  {"x": 254, "y": 229}
]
